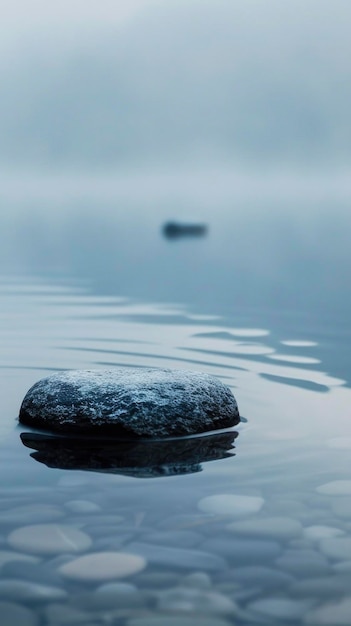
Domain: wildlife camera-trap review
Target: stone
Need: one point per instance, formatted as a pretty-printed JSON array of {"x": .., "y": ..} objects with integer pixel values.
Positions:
[
  {"x": 316, "y": 533},
  {"x": 82, "y": 506},
  {"x": 25, "y": 591},
  {"x": 31, "y": 514},
  {"x": 303, "y": 563},
  {"x": 176, "y": 538},
  {"x": 34, "y": 572},
  {"x": 342, "y": 567},
  {"x": 278, "y": 528},
  {"x": 49, "y": 539},
  {"x": 7, "y": 556},
  {"x": 337, "y": 614},
  {"x": 335, "y": 488},
  {"x": 110, "y": 596},
  {"x": 197, "y": 580},
  {"x": 178, "y": 557},
  {"x": 170, "y": 619},
  {"x": 322, "y": 587},
  {"x": 230, "y": 504},
  {"x": 102, "y": 566},
  {"x": 130, "y": 403},
  {"x": 261, "y": 577},
  {"x": 338, "y": 548},
  {"x": 244, "y": 551},
  {"x": 185, "y": 599},
  {"x": 63, "y": 615},
  {"x": 280, "y": 608},
  {"x": 16, "y": 615},
  {"x": 341, "y": 507}
]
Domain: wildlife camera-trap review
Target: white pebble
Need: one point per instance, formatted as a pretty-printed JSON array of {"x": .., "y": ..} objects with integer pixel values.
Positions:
[
  {"x": 317, "y": 533},
  {"x": 335, "y": 488},
  {"x": 102, "y": 566},
  {"x": 49, "y": 539},
  {"x": 229, "y": 504}
]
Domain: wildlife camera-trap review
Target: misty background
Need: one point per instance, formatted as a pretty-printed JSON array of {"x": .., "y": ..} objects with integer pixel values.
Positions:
[
  {"x": 114, "y": 119},
  {"x": 250, "y": 82}
]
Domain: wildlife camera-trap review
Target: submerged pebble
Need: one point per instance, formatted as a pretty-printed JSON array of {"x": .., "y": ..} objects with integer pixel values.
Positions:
[
  {"x": 279, "y": 528},
  {"x": 102, "y": 566},
  {"x": 15, "y": 615},
  {"x": 31, "y": 513},
  {"x": 317, "y": 533},
  {"x": 170, "y": 619},
  {"x": 49, "y": 539},
  {"x": 336, "y": 613},
  {"x": 335, "y": 488},
  {"x": 195, "y": 600},
  {"x": 8, "y": 556},
  {"x": 229, "y": 504},
  {"x": 338, "y": 548},
  {"x": 130, "y": 403},
  {"x": 26, "y": 591},
  {"x": 280, "y": 608},
  {"x": 178, "y": 557}
]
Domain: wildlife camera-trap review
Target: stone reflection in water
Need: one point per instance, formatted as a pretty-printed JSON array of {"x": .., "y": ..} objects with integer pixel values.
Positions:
[{"x": 139, "y": 458}]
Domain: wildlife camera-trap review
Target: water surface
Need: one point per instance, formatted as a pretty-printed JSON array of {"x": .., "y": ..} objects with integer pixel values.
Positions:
[{"x": 186, "y": 511}]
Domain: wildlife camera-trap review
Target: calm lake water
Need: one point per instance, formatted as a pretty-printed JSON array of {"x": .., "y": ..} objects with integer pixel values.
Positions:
[{"x": 251, "y": 526}]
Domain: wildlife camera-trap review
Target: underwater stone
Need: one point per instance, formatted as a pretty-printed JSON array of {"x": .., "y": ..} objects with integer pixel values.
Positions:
[{"x": 130, "y": 403}]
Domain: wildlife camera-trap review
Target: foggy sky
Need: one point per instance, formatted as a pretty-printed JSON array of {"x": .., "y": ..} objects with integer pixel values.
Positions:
[{"x": 96, "y": 84}]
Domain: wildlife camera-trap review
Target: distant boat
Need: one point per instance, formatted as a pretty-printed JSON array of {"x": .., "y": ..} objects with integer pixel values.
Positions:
[{"x": 173, "y": 230}]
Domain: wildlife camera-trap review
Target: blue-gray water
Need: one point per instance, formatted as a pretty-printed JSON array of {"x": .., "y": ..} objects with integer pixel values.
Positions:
[{"x": 263, "y": 303}]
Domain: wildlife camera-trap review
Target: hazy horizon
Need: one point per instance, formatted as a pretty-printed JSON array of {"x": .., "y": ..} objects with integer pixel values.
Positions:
[{"x": 245, "y": 83}]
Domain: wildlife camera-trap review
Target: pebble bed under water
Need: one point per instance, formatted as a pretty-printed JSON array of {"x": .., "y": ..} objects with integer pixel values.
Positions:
[
  {"x": 262, "y": 536},
  {"x": 98, "y": 549}
]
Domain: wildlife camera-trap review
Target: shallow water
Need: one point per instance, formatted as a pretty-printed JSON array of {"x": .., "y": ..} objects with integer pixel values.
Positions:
[{"x": 246, "y": 527}]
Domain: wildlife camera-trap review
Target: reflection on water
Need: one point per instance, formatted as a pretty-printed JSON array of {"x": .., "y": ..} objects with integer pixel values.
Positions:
[{"x": 133, "y": 458}]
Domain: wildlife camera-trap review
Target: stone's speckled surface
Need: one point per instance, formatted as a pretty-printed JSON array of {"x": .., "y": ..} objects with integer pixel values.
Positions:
[{"x": 130, "y": 403}]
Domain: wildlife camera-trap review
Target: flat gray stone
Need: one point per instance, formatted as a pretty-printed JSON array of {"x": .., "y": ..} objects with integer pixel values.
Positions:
[{"x": 130, "y": 403}]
